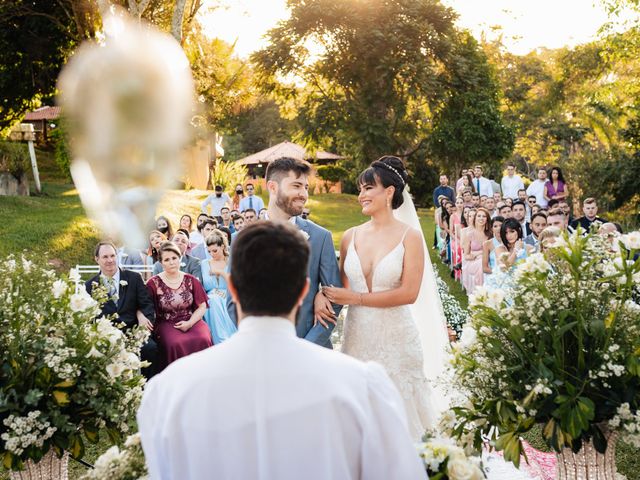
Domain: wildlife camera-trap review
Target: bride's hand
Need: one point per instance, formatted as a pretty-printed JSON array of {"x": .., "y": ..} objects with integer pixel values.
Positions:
[
  {"x": 340, "y": 296},
  {"x": 323, "y": 312}
]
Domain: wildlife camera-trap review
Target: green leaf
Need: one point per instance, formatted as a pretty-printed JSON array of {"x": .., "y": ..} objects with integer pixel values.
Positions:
[
  {"x": 7, "y": 461},
  {"x": 77, "y": 447},
  {"x": 92, "y": 433}
]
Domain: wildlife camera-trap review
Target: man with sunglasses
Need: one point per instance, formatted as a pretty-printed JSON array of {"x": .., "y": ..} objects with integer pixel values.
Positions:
[{"x": 251, "y": 201}]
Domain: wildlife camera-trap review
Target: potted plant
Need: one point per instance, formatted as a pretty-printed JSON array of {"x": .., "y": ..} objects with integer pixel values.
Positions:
[
  {"x": 64, "y": 377},
  {"x": 560, "y": 348}
]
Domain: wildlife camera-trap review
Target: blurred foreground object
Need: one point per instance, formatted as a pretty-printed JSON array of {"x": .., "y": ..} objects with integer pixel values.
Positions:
[{"x": 129, "y": 101}]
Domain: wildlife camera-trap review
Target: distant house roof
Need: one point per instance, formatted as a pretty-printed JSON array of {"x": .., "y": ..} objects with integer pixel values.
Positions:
[
  {"x": 44, "y": 113},
  {"x": 286, "y": 149}
]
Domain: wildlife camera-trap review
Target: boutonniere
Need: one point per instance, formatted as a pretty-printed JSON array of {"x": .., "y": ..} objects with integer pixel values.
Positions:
[
  {"x": 124, "y": 254},
  {"x": 182, "y": 264},
  {"x": 304, "y": 234},
  {"x": 123, "y": 283}
]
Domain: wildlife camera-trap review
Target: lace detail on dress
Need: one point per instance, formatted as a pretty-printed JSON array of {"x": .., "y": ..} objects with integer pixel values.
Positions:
[{"x": 389, "y": 336}]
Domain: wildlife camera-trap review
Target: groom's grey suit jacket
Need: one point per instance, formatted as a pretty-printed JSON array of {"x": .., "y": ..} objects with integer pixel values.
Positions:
[{"x": 323, "y": 270}]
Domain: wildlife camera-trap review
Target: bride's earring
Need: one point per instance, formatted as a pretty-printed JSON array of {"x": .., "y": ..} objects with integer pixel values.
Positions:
[{"x": 388, "y": 203}]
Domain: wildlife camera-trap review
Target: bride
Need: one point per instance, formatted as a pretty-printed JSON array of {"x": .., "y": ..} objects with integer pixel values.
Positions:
[{"x": 395, "y": 317}]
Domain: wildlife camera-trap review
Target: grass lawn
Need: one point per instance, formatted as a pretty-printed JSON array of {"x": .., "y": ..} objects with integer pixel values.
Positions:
[{"x": 54, "y": 226}]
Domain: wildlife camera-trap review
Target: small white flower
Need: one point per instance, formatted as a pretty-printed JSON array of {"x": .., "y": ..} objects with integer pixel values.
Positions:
[
  {"x": 58, "y": 288},
  {"x": 123, "y": 283},
  {"x": 132, "y": 440},
  {"x": 93, "y": 353}
]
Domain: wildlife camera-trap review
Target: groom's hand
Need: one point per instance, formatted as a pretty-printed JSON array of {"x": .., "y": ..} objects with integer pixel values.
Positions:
[{"x": 323, "y": 311}]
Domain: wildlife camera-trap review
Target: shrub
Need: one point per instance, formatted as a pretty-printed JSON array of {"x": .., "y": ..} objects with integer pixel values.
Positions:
[
  {"x": 228, "y": 174},
  {"x": 14, "y": 158}
]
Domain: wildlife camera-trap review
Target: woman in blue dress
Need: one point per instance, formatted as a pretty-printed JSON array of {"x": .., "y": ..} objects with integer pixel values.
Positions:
[
  {"x": 511, "y": 252},
  {"x": 214, "y": 280}
]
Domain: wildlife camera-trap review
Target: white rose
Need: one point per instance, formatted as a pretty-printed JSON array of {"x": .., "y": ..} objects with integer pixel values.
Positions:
[
  {"x": 468, "y": 336},
  {"x": 81, "y": 301},
  {"x": 132, "y": 440},
  {"x": 115, "y": 369},
  {"x": 631, "y": 240},
  {"x": 459, "y": 468},
  {"x": 124, "y": 283},
  {"x": 58, "y": 288}
]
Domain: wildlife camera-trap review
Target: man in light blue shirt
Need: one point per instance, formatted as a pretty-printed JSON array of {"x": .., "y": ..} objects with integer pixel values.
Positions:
[
  {"x": 251, "y": 200},
  {"x": 217, "y": 200}
]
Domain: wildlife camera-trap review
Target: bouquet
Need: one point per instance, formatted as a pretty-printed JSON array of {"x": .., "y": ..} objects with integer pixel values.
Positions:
[
  {"x": 560, "y": 347},
  {"x": 65, "y": 376}
]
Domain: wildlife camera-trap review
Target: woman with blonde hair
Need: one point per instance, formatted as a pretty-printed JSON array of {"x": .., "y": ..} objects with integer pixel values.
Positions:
[{"x": 214, "y": 280}]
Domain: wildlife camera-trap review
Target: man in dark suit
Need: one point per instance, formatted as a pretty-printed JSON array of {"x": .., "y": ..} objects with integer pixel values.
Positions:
[
  {"x": 127, "y": 296},
  {"x": 519, "y": 212}
]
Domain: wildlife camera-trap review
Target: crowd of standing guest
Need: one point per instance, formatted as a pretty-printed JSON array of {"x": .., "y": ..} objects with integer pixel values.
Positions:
[
  {"x": 484, "y": 228},
  {"x": 183, "y": 301}
]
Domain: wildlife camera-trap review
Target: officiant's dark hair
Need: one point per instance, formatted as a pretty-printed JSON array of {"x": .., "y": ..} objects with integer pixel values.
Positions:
[
  {"x": 281, "y": 167},
  {"x": 390, "y": 172},
  {"x": 274, "y": 286}
]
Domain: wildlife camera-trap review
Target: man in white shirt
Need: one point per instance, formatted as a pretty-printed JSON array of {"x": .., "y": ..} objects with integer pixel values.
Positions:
[
  {"x": 537, "y": 188},
  {"x": 217, "y": 200},
  {"x": 481, "y": 184},
  {"x": 511, "y": 183},
  {"x": 266, "y": 404},
  {"x": 251, "y": 201}
]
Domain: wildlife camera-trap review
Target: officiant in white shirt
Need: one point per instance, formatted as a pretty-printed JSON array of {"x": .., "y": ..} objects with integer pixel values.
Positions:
[{"x": 267, "y": 405}]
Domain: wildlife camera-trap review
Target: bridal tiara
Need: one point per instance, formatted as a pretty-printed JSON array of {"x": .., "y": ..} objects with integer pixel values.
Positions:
[{"x": 389, "y": 167}]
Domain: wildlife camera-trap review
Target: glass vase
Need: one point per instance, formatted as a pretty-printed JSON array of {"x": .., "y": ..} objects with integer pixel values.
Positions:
[
  {"x": 50, "y": 467},
  {"x": 588, "y": 463}
]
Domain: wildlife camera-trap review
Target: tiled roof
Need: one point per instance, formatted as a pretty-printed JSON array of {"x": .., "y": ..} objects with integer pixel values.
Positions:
[{"x": 44, "y": 113}]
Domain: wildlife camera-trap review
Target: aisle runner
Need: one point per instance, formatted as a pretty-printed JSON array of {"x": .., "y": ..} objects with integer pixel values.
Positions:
[{"x": 541, "y": 466}]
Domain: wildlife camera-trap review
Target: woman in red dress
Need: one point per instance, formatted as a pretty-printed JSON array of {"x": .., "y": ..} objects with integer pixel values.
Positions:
[{"x": 180, "y": 303}]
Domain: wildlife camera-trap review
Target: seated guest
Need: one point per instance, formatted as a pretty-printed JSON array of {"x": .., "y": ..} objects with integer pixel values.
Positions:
[
  {"x": 196, "y": 237},
  {"x": 227, "y": 233},
  {"x": 225, "y": 214},
  {"x": 285, "y": 402},
  {"x": 557, "y": 218},
  {"x": 188, "y": 264},
  {"x": 538, "y": 224},
  {"x": 214, "y": 281},
  {"x": 504, "y": 210},
  {"x": 128, "y": 298},
  {"x": 200, "y": 252},
  {"x": 250, "y": 216},
  {"x": 590, "y": 210},
  {"x": 262, "y": 214},
  {"x": 180, "y": 303},
  {"x": 155, "y": 240},
  {"x": 186, "y": 222}
]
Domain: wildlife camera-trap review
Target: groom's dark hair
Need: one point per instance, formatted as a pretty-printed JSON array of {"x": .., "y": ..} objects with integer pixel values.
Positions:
[
  {"x": 281, "y": 167},
  {"x": 281, "y": 254}
]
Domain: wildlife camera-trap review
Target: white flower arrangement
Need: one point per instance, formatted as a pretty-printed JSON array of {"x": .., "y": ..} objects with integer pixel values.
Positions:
[
  {"x": 559, "y": 347},
  {"x": 446, "y": 461},
  {"x": 68, "y": 376},
  {"x": 455, "y": 315}
]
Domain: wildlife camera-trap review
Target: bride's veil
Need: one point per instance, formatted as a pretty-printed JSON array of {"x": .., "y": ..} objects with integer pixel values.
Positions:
[{"x": 427, "y": 310}]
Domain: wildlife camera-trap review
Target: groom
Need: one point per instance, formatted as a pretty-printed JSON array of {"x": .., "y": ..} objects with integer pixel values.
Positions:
[{"x": 287, "y": 183}]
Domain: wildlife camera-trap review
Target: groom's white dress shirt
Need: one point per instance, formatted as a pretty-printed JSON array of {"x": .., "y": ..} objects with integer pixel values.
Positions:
[{"x": 266, "y": 404}]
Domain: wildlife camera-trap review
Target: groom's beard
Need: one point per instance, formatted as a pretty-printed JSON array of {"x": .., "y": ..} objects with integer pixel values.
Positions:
[{"x": 286, "y": 204}]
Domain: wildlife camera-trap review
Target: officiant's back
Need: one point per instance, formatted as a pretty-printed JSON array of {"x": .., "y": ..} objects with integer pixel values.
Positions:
[{"x": 266, "y": 404}]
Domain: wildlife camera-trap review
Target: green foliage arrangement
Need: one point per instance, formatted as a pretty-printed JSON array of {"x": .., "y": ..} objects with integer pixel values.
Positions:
[
  {"x": 228, "y": 174},
  {"x": 14, "y": 158},
  {"x": 63, "y": 376},
  {"x": 561, "y": 349}
]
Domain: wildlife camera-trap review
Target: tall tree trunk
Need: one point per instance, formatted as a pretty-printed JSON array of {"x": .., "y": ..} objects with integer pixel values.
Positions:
[{"x": 176, "y": 22}]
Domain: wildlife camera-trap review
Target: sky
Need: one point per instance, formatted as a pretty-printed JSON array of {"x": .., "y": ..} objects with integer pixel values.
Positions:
[{"x": 526, "y": 24}]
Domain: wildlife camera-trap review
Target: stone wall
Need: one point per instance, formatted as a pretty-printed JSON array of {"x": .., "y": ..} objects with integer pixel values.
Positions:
[{"x": 9, "y": 185}]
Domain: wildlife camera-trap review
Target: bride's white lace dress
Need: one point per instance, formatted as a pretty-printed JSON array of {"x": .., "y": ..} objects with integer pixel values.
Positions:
[{"x": 389, "y": 336}]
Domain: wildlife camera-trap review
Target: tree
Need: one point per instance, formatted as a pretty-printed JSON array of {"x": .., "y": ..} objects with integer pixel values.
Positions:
[
  {"x": 373, "y": 77},
  {"x": 470, "y": 128}
]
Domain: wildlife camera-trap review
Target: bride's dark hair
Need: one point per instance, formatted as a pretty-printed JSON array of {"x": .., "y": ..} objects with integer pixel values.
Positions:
[{"x": 390, "y": 172}]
